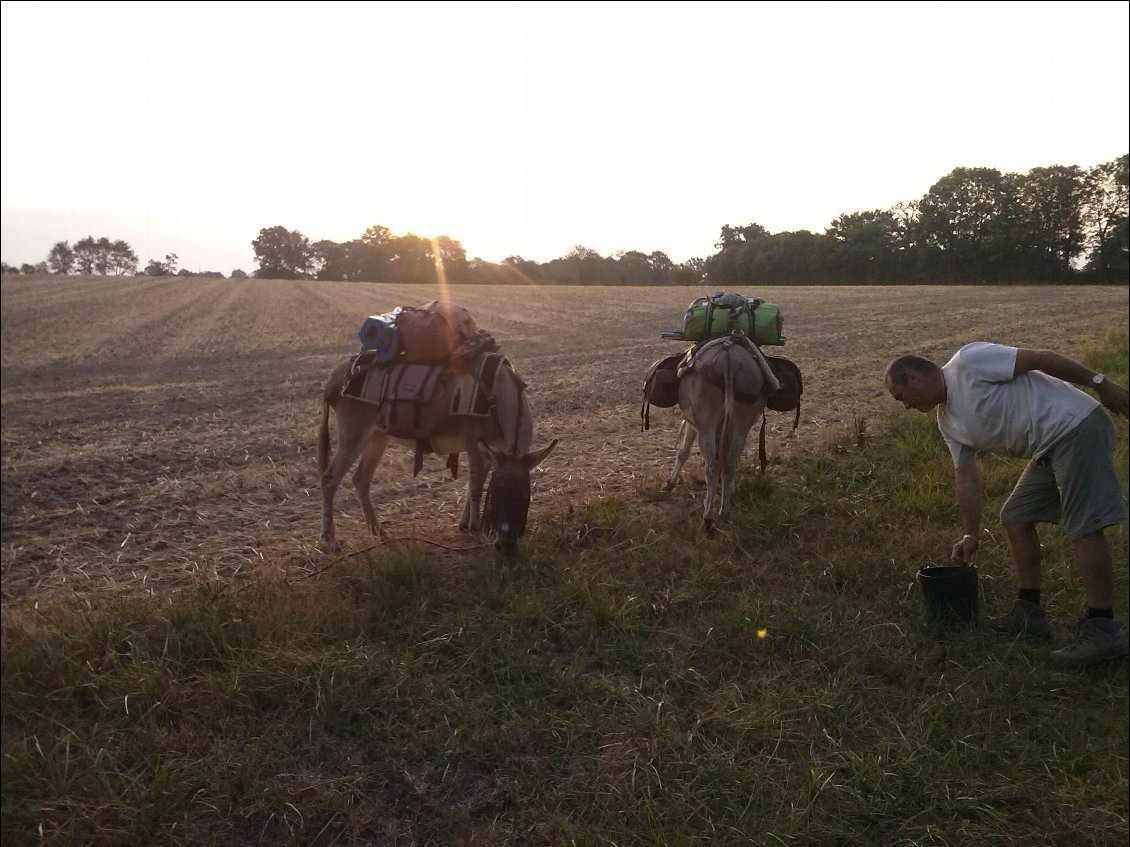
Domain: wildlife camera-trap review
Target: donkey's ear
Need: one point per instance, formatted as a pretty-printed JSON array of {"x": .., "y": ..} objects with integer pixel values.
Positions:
[{"x": 532, "y": 460}]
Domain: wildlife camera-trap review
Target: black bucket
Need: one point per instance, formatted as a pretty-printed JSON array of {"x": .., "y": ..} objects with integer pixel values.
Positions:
[{"x": 950, "y": 592}]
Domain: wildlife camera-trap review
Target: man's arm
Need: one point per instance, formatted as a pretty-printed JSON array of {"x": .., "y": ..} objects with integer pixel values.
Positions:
[
  {"x": 967, "y": 482},
  {"x": 1110, "y": 394}
]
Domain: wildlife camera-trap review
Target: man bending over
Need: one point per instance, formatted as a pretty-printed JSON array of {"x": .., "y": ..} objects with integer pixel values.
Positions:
[{"x": 1018, "y": 402}]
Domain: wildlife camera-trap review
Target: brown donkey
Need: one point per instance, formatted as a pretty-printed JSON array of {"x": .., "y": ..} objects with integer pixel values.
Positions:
[{"x": 501, "y": 441}]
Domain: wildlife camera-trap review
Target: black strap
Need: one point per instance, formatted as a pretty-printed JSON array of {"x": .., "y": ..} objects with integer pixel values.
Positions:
[
  {"x": 418, "y": 404},
  {"x": 761, "y": 444}
]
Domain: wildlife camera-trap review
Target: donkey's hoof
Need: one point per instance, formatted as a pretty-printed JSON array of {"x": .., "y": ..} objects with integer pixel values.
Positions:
[{"x": 708, "y": 526}]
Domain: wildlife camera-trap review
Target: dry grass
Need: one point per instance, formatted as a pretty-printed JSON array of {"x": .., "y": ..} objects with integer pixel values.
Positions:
[{"x": 158, "y": 429}]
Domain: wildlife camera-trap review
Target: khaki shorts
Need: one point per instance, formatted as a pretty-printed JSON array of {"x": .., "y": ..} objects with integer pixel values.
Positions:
[{"x": 1074, "y": 484}]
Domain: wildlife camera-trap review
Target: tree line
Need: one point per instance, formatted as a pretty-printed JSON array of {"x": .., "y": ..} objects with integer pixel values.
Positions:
[
  {"x": 975, "y": 225},
  {"x": 105, "y": 257}
]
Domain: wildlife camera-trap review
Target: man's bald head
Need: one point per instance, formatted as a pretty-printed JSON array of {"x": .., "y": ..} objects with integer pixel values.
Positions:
[{"x": 898, "y": 369}]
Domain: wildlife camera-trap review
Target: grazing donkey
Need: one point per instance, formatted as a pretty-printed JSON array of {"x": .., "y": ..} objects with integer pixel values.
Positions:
[
  {"x": 723, "y": 389},
  {"x": 501, "y": 439}
]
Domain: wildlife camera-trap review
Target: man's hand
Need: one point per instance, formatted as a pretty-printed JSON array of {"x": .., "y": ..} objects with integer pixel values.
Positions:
[
  {"x": 963, "y": 551},
  {"x": 1114, "y": 397}
]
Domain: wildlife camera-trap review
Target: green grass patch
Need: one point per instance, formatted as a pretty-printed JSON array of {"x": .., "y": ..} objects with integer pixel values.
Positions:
[{"x": 625, "y": 679}]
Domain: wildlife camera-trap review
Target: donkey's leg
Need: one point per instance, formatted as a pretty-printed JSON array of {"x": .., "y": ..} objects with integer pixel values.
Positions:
[
  {"x": 687, "y": 434},
  {"x": 476, "y": 477},
  {"x": 708, "y": 445},
  {"x": 363, "y": 477},
  {"x": 353, "y": 430},
  {"x": 747, "y": 418},
  {"x": 738, "y": 436}
]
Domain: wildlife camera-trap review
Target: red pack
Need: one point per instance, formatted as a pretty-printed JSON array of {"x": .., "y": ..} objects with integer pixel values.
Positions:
[{"x": 431, "y": 334}]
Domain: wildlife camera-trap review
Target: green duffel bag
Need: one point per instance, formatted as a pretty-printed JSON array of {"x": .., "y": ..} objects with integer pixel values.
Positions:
[{"x": 722, "y": 313}]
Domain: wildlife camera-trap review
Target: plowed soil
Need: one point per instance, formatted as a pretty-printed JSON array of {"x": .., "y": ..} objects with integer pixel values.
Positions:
[{"x": 158, "y": 429}]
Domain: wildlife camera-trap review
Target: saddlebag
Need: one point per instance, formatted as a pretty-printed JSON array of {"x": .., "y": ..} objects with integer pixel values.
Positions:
[
  {"x": 787, "y": 398},
  {"x": 413, "y": 403},
  {"x": 660, "y": 387},
  {"x": 471, "y": 394}
]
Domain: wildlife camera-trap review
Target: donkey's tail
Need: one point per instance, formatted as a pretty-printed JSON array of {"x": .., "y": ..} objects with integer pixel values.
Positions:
[
  {"x": 324, "y": 438},
  {"x": 727, "y": 433},
  {"x": 331, "y": 394}
]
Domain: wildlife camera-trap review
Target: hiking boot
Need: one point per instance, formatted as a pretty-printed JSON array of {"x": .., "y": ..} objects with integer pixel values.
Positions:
[
  {"x": 1096, "y": 640},
  {"x": 1024, "y": 619}
]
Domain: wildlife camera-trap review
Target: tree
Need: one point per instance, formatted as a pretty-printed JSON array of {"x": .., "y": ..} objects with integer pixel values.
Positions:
[
  {"x": 732, "y": 236},
  {"x": 587, "y": 267},
  {"x": 968, "y": 220},
  {"x": 282, "y": 253},
  {"x": 1106, "y": 219},
  {"x": 662, "y": 268},
  {"x": 239, "y": 274},
  {"x": 411, "y": 260},
  {"x": 866, "y": 246},
  {"x": 122, "y": 259},
  {"x": 61, "y": 258},
  {"x": 632, "y": 268},
  {"x": 527, "y": 270},
  {"x": 374, "y": 254},
  {"x": 786, "y": 258},
  {"x": 102, "y": 255},
  {"x": 330, "y": 260},
  {"x": 1050, "y": 220},
  {"x": 86, "y": 253},
  {"x": 376, "y": 235},
  {"x": 736, "y": 246},
  {"x": 690, "y": 272},
  {"x": 90, "y": 256},
  {"x": 452, "y": 258},
  {"x": 165, "y": 268}
]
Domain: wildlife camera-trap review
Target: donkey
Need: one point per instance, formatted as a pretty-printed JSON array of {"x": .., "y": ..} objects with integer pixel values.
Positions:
[
  {"x": 723, "y": 389},
  {"x": 501, "y": 440}
]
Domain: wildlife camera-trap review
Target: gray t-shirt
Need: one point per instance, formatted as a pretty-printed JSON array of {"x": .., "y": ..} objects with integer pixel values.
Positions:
[{"x": 987, "y": 409}]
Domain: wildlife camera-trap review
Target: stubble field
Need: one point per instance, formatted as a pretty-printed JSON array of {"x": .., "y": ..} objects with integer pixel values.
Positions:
[{"x": 158, "y": 429}]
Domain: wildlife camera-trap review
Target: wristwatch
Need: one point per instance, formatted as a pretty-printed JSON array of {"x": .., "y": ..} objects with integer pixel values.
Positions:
[{"x": 1097, "y": 380}]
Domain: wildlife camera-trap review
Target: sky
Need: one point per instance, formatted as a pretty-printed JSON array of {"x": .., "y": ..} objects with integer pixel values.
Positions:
[{"x": 526, "y": 129}]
